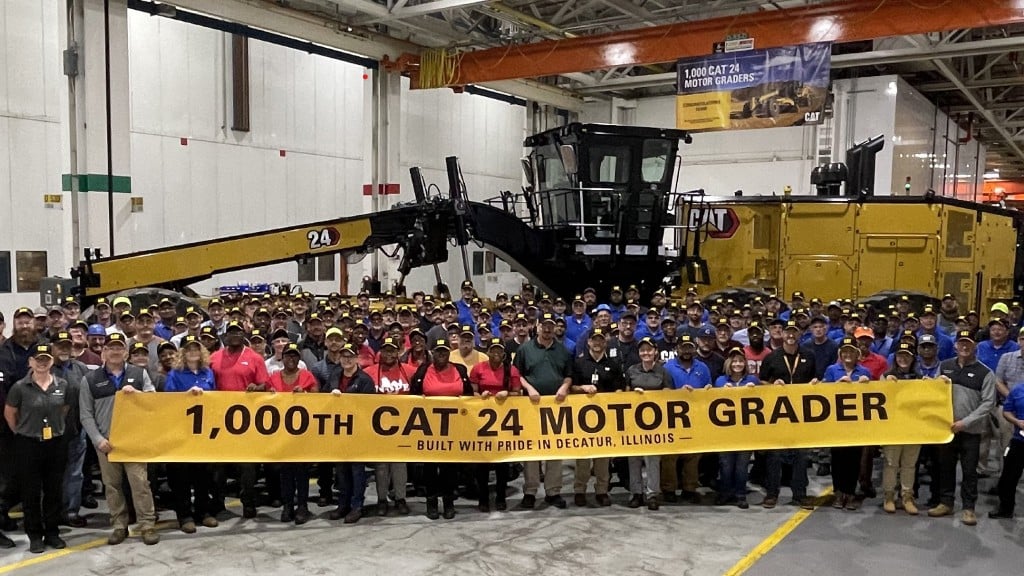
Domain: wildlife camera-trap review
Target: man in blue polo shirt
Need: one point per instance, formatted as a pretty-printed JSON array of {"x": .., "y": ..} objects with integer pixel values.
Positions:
[
  {"x": 685, "y": 370},
  {"x": 1013, "y": 464},
  {"x": 577, "y": 324}
]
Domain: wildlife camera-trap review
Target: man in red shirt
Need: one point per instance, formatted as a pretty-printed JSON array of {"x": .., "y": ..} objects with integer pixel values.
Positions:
[
  {"x": 875, "y": 363},
  {"x": 237, "y": 368}
]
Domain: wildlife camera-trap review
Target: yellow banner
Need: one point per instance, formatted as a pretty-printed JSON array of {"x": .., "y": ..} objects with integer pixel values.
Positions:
[
  {"x": 266, "y": 427},
  {"x": 705, "y": 111}
]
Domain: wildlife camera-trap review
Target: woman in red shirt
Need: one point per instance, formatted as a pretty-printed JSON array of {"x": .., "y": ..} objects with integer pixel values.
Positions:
[
  {"x": 498, "y": 378},
  {"x": 294, "y": 476},
  {"x": 390, "y": 377},
  {"x": 441, "y": 378},
  {"x": 417, "y": 354}
]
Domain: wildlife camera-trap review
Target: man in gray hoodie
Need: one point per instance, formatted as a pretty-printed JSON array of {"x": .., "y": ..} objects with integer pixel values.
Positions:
[
  {"x": 96, "y": 400},
  {"x": 974, "y": 395}
]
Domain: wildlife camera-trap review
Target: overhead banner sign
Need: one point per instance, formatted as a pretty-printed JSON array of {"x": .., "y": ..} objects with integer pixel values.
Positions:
[
  {"x": 265, "y": 427},
  {"x": 753, "y": 89}
]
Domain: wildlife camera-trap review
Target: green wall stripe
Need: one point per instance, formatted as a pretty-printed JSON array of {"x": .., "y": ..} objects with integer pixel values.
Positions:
[{"x": 96, "y": 183}]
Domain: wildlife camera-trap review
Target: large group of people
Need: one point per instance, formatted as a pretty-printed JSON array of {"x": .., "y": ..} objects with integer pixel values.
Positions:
[{"x": 60, "y": 371}]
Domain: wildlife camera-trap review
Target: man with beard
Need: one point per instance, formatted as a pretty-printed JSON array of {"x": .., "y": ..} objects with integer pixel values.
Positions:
[
  {"x": 706, "y": 351},
  {"x": 723, "y": 338},
  {"x": 669, "y": 340},
  {"x": 145, "y": 334},
  {"x": 616, "y": 303},
  {"x": 651, "y": 325},
  {"x": 623, "y": 348},
  {"x": 602, "y": 319},
  {"x": 928, "y": 323},
  {"x": 949, "y": 310},
  {"x": 775, "y": 335},
  {"x": 824, "y": 349},
  {"x": 449, "y": 315},
  {"x": 756, "y": 351},
  {"x": 883, "y": 344},
  {"x": 875, "y": 363},
  {"x": 520, "y": 334},
  {"x": 72, "y": 371},
  {"x": 690, "y": 373},
  {"x": 80, "y": 346},
  {"x": 590, "y": 298},
  {"x": 312, "y": 346},
  {"x": 569, "y": 344},
  {"x": 164, "y": 328},
  {"x": 694, "y": 320}
]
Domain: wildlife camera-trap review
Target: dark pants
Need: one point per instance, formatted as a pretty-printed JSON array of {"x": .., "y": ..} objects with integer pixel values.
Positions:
[
  {"x": 294, "y": 485},
  {"x": 441, "y": 480},
  {"x": 1013, "y": 466},
  {"x": 963, "y": 450},
  {"x": 732, "y": 473},
  {"x": 10, "y": 492},
  {"x": 846, "y": 469},
  {"x": 185, "y": 479},
  {"x": 246, "y": 483},
  {"x": 483, "y": 478},
  {"x": 40, "y": 469},
  {"x": 351, "y": 478},
  {"x": 798, "y": 460},
  {"x": 325, "y": 479}
]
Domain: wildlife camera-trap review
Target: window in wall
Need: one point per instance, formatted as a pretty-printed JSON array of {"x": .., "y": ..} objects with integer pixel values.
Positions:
[
  {"x": 31, "y": 267},
  {"x": 325, "y": 267},
  {"x": 484, "y": 263},
  {"x": 239, "y": 83},
  {"x": 5, "y": 271},
  {"x": 307, "y": 270}
]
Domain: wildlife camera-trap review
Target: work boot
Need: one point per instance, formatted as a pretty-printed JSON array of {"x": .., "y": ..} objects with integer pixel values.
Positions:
[
  {"x": 890, "y": 502},
  {"x": 338, "y": 513},
  {"x": 908, "y": 502},
  {"x": 287, "y": 514},
  {"x": 500, "y": 505},
  {"x": 89, "y": 501},
  {"x": 54, "y": 541},
  {"x": 529, "y": 502},
  {"x": 1000, "y": 514},
  {"x": 302, "y": 515},
  {"x": 353, "y": 516},
  {"x": 940, "y": 511},
  {"x": 188, "y": 527},
  {"x": 636, "y": 501},
  {"x": 652, "y": 503},
  {"x": 117, "y": 536},
  {"x": 557, "y": 501},
  {"x": 432, "y": 508},
  {"x": 382, "y": 508},
  {"x": 484, "y": 507},
  {"x": 402, "y": 507},
  {"x": 968, "y": 518},
  {"x": 6, "y": 542},
  {"x": 449, "y": 509},
  {"x": 210, "y": 522},
  {"x": 579, "y": 499},
  {"x": 839, "y": 502},
  {"x": 769, "y": 502},
  {"x": 35, "y": 545},
  {"x": 603, "y": 500},
  {"x": 669, "y": 496},
  {"x": 150, "y": 537},
  {"x": 248, "y": 511}
]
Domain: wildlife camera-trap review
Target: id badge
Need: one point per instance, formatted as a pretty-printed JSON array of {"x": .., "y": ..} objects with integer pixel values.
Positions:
[{"x": 47, "y": 433}]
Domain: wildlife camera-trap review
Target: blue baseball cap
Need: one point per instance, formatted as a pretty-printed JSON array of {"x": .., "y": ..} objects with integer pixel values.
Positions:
[
  {"x": 707, "y": 332},
  {"x": 602, "y": 308},
  {"x": 97, "y": 330}
]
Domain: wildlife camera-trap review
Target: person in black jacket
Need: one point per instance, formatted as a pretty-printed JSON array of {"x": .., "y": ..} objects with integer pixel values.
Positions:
[
  {"x": 351, "y": 476},
  {"x": 441, "y": 378},
  {"x": 789, "y": 364},
  {"x": 14, "y": 354}
]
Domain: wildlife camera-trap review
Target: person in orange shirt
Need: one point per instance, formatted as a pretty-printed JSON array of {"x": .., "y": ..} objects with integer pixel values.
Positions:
[
  {"x": 390, "y": 377},
  {"x": 496, "y": 377}
]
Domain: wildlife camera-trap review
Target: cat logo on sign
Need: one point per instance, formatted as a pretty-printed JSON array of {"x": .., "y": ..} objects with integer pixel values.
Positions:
[{"x": 719, "y": 222}]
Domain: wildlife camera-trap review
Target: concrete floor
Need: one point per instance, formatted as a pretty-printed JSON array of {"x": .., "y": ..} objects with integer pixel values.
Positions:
[{"x": 678, "y": 539}]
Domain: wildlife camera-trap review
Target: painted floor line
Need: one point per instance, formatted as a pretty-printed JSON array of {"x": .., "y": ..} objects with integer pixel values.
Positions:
[{"x": 775, "y": 537}]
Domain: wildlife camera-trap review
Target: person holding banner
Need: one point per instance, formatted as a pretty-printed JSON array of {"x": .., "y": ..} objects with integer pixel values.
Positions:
[
  {"x": 1013, "y": 466},
  {"x": 499, "y": 379},
  {"x": 351, "y": 476},
  {"x": 648, "y": 374},
  {"x": 788, "y": 364},
  {"x": 96, "y": 401},
  {"x": 441, "y": 378},
  {"x": 733, "y": 466},
  {"x": 546, "y": 370},
  {"x": 294, "y": 476},
  {"x": 690, "y": 373},
  {"x": 901, "y": 458},
  {"x": 192, "y": 374},
  {"x": 390, "y": 377},
  {"x": 846, "y": 459},
  {"x": 974, "y": 394},
  {"x": 327, "y": 371},
  {"x": 595, "y": 371}
]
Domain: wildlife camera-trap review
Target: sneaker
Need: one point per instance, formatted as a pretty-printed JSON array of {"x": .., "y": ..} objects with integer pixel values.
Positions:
[
  {"x": 839, "y": 502},
  {"x": 853, "y": 504},
  {"x": 529, "y": 502},
  {"x": 338, "y": 513},
  {"x": 76, "y": 521},
  {"x": 652, "y": 503},
  {"x": 557, "y": 501},
  {"x": 150, "y": 537},
  {"x": 769, "y": 502},
  {"x": 287, "y": 514},
  {"x": 579, "y": 500},
  {"x": 432, "y": 509},
  {"x": 382, "y": 508},
  {"x": 55, "y": 541},
  {"x": 35, "y": 545},
  {"x": 603, "y": 500},
  {"x": 188, "y": 527},
  {"x": 117, "y": 536},
  {"x": 742, "y": 504},
  {"x": 1000, "y": 515},
  {"x": 807, "y": 503},
  {"x": 302, "y": 515},
  {"x": 248, "y": 512},
  {"x": 353, "y": 516},
  {"x": 968, "y": 518},
  {"x": 210, "y": 522},
  {"x": 940, "y": 511},
  {"x": 89, "y": 502},
  {"x": 636, "y": 501},
  {"x": 448, "y": 510},
  {"x": 500, "y": 505},
  {"x": 402, "y": 507}
]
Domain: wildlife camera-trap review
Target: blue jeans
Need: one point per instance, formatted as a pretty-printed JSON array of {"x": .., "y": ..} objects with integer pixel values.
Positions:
[
  {"x": 294, "y": 478},
  {"x": 773, "y": 478},
  {"x": 733, "y": 468},
  {"x": 73, "y": 477},
  {"x": 351, "y": 484}
]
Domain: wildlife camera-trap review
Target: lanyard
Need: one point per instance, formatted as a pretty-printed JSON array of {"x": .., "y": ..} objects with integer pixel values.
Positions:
[{"x": 791, "y": 367}]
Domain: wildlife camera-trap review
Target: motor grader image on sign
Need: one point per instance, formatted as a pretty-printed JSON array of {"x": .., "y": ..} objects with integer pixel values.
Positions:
[{"x": 841, "y": 247}]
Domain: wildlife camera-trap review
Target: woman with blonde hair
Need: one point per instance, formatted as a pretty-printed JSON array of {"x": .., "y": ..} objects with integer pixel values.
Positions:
[{"x": 191, "y": 374}]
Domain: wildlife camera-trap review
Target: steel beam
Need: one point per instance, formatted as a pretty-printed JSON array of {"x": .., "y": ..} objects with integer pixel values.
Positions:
[
  {"x": 992, "y": 83},
  {"x": 832, "y": 22},
  {"x": 402, "y": 13}
]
